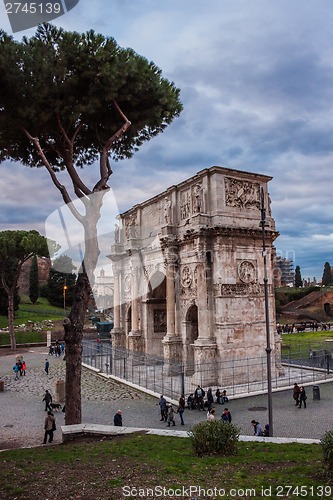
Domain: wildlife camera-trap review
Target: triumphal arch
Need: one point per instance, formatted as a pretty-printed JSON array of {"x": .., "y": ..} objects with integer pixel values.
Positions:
[{"x": 189, "y": 274}]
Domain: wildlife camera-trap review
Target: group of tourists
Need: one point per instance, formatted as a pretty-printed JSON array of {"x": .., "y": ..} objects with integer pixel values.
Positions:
[
  {"x": 301, "y": 327},
  {"x": 168, "y": 412},
  {"x": 225, "y": 417},
  {"x": 199, "y": 400},
  {"x": 19, "y": 368},
  {"x": 58, "y": 349}
]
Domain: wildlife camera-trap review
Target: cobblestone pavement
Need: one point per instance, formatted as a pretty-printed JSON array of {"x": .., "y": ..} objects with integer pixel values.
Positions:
[{"x": 22, "y": 410}]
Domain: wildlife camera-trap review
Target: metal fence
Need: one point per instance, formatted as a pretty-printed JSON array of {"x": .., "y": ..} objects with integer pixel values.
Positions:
[{"x": 237, "y": 376}]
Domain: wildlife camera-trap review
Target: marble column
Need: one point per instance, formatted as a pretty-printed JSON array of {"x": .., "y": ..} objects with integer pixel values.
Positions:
[
  {"x": 170, "y": 300},
  {"x": 135, "y": 341},
  {"x": 172, "y": 344},
  {"x": 118, "y": 333},
  {"x": 205, "y": 347}
]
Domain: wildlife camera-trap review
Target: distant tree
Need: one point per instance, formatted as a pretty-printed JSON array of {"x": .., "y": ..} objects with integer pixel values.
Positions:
[
  {"x": 61, "y": 275},
  {"x": 71, "y": 100},
  {"x": 16, "y": 247},
  {"x": 327, "y": 278},
  {"x": 4, "y": 296},
  {"x": 298, "y": 277},
  {"x": 34, "y": 280}
]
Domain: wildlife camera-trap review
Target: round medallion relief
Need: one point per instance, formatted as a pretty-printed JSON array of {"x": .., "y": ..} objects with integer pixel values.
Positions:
[
  {"x": 186, "y": 277},
  {"x": 247, "y": 272}
]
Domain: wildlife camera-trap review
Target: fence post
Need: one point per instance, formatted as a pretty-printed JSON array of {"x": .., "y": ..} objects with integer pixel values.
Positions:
[
  {"x": 182, "y": 375},
  {"x": 328, "y": 362}
]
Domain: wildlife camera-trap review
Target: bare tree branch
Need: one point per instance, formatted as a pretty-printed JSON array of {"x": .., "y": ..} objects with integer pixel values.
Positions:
[
  {"x": 79, "y": 187},
  {"x": 64, "y": 193},
  {"x": 104, "y": 164}
]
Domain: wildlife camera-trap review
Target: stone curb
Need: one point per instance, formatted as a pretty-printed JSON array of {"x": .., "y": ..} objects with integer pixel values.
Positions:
[{"x": 111, "y": 430}]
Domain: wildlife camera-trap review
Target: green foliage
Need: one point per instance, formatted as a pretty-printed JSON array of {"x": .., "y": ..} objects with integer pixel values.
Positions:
[
  {"x": 214, "y": 438},
  {"x": 10, "y": 271},
  {"x": 285, "y": 295},
  {"x": 327, "y": 278},
  {"x": 327, "y": 449},
  {"x": 298, "y": 277},
  {"x": 61, "y": 275},
  {"x": 34, "y": 280},
  {"x": 65, "y": 81}
]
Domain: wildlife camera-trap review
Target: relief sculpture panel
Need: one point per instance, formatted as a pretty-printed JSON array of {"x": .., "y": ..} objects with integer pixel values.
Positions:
[{"x": 241, "y": 193}]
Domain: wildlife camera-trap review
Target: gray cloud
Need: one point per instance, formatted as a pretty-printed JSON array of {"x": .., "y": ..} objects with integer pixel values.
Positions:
[{"x": 256, "y": 83}]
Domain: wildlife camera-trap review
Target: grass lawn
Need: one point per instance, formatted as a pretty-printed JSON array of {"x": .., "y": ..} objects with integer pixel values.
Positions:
[
  {"x": 304, "y": 341},
  {"x": 99, "y": 469},
  {"x": 35, "y": 313}
]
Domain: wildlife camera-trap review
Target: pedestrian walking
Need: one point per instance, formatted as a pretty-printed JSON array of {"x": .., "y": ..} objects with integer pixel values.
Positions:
[
  {"x": 46, "y": 366},
  {"x": 16, "y": 371},
  {"x": 49, "y": 427},
  {"x": 48, "y": 400},
  {"x": 302, "y": 397},
  {"x": 171, "y": 416},
  {"x": 181, "y": 409},
  {"x": 296, "y": 392},
  {"x": 24, "y": 367},
  {"x": 163, "y": 408},
  {"x": 118, "y": 419}
]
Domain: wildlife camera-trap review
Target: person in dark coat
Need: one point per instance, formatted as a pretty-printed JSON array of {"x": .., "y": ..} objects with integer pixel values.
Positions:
[
  {"x": 181, "y": 408},
  {"x": 48, "y": 400},
  {"x": 296, "y": 392},
  {"x": 302, "y": 397},
  {"x": 210, "y": 398},
  {"x": 118, "y": 419}
]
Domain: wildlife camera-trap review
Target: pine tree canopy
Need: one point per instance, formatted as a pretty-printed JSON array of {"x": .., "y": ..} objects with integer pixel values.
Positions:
[{"x": 71, "y": 91}]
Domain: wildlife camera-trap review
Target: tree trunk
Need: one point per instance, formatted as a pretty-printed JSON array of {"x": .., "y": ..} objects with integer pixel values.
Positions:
[
  {"x": 74, "y": 324},
  {"x": 11, "y": 319}
]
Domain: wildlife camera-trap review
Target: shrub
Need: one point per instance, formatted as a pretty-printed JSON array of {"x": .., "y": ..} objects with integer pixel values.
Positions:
[
  {"x": 327, "y": 448},
  {"x": 214, "y": 438}
]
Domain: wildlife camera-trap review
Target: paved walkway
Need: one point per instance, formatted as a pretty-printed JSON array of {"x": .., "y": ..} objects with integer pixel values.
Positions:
[{"x": 22, "y": 410}]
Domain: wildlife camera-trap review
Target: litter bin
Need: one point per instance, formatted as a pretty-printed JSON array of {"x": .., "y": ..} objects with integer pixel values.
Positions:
[
  {"x": 316, "y": 392},
  {"x": 2, "y": 385}
]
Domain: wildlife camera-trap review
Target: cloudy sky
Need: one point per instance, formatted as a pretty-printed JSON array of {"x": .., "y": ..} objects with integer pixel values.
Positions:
[{"x": 256, "y": 80}]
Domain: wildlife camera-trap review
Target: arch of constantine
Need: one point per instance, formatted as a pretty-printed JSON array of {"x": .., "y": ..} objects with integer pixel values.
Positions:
[{"x": 189, "y": 275}]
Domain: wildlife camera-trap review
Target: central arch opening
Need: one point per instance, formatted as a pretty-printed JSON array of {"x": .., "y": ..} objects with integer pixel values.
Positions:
[{"x": 192, "y": 333}]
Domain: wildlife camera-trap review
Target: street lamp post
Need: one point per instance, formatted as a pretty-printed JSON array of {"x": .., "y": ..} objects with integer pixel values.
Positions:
[
  {"x": 268, "y": 343},
  {"x": 65, "y": 289}
]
